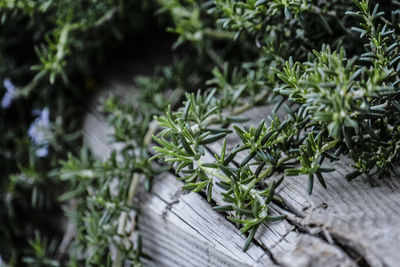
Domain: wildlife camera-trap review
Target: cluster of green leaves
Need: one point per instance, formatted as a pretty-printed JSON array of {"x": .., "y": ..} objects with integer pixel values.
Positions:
[
  {"x": 333, "y": 65},
  {"x": 355, "y": 99},
  {"x": 103, "y": 191},
  {"x": 58, "y": 30},
  {"x": 49, "y": 51},
  {"x": 242, "y": 172},
  {"x": 183, "y": 141}
]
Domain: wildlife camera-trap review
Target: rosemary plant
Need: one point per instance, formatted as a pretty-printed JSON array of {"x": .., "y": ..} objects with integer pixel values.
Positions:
[
  {"x": 341, "y": 99},
  {"x": 103, "y": 193}
]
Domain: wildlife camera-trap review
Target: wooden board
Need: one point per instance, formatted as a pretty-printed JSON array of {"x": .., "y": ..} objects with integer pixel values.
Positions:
[{"x": 348, "y": 224}]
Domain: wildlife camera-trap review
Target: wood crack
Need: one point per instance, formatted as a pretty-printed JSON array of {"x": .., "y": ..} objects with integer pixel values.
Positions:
[
  {"x": 325, "y": 235},
  {"x": 350, "y": 249},
  {"x": 268, "y": 251},
  {"x": 169, "y": 209}
]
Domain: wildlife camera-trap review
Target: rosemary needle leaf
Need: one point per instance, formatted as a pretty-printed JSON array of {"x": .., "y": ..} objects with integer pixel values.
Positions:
[
  {"x": 321, "y": 179},
  {"x": 185, "y": 144},
  {"x": 310, "y": 183},
  {"x": 260, "y": 2},
  {"x": 223, "y": 208},
  {"x": 250, "y": 238},
  {"x": 212, "y": 138}
]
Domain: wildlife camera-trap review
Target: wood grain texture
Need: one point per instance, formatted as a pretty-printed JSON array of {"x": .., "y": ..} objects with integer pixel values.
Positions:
[
  {"x": 348, "y": 224},
  {"x": 184, "y": 228}
]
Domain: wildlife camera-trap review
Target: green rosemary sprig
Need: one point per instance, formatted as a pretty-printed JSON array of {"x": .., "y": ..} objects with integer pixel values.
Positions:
[{"x": 183, "y": 143}]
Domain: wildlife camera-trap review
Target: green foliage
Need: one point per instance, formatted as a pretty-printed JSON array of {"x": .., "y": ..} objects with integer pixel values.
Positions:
[
  {"x": 48, "y": 53},
  {"x": 333, "y": 65},
  {"x": 41, "y": 251},
  {"x": 330, "y": 67},
  {"x": 103, "y": 191},
  {"x": 57, "y": 30}
]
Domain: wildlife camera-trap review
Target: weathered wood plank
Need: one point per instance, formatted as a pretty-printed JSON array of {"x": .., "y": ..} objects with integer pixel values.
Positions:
[
  {"x": 359, "y": 217},
  {"x": 184, "y": 227}
]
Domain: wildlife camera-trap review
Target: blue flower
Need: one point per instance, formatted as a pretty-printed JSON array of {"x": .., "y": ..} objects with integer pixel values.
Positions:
[
  {"x": 39, "y": 132},
  {"x": 9, "y": 95},
  {"x": 42, "y": 151}
]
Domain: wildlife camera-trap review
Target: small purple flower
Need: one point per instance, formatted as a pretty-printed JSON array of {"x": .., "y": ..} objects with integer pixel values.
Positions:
[
  {"x": 9, "y": 95},
  {"x": 42, "y": 151},
  {"x": 39, "y": 132}
]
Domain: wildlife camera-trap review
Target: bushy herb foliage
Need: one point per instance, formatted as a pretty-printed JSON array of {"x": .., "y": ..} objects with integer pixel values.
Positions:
[
  {"x": 332, "y": 64},
  {"x": 49, "y": 51},
  {"x": 103, "y": 192}
]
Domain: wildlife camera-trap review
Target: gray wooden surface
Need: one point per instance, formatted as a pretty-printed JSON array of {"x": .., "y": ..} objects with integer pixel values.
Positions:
[{"x": 348, "y": 224}]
